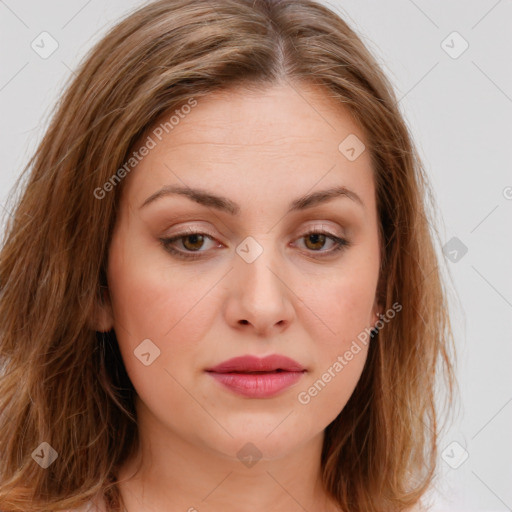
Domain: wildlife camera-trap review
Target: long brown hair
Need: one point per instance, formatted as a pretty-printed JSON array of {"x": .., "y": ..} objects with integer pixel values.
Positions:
[{"x": 64, "y": 384}]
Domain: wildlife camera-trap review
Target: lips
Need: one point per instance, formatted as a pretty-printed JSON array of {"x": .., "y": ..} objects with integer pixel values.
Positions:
[
  {"x": 255, "y": 377},
  {"x": 246, "y": 364}
]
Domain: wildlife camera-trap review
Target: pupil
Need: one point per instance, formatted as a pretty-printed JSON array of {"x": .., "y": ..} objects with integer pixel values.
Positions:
[
  {"x": 195, "y": 240},
  {"x": 317, "y": 239}
]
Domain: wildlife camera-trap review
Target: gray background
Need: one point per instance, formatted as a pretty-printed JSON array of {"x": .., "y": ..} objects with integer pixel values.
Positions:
[{"x": 459, "y": 110}]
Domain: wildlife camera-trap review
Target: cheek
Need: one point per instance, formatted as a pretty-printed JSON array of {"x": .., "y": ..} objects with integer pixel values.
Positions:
[
  {"x": 340, "y": 355},
  {"x": 155, "y": 300},
  {"x": 151, "y": 297},
  {"x": 325, "y": 394},
  {"x": 343, "y": 306}
]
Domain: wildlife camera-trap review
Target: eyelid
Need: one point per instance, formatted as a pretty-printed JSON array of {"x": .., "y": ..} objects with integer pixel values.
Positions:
[
  {"x": 313, "y": 228},
  {"x": 322, "y": 226},
  {"x": 197, "y": 230}
]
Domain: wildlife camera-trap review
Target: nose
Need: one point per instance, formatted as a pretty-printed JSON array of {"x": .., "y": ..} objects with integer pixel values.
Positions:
[{"x": 260, "y": 294}]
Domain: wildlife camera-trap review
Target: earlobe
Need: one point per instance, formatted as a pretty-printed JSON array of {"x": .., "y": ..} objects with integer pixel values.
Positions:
[
  {"x": 102, "y": 318},
  {"x": 375, "y": 320},
  {"x": 376, "y": 313}
]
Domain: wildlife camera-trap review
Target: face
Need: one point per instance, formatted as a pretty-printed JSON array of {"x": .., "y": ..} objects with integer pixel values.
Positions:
[{"x": 251, "y": 259}]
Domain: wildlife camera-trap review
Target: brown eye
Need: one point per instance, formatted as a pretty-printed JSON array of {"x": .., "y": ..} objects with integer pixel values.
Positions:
[
  {"x": 317, "y": 241},
  {"x": 188, "y": 245},
  {"x": 196, "y": 242},
  {"x": 192, "y": 245}
]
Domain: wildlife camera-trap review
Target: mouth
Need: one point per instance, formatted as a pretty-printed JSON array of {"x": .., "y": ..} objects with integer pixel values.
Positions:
[
  {"x": 279, "y": 370},
  {"x": 253, "y": 364},
  {"x": 254, "y": 377}
]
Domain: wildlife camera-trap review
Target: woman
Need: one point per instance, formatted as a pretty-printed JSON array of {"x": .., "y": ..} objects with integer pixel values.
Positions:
[{"x": 219, "y": 289}]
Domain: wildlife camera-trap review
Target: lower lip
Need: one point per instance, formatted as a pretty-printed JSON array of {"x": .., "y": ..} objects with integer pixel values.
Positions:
[{"x": 257, "y": 385}]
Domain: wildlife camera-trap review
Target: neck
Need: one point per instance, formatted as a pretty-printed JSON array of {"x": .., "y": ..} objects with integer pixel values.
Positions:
[{"x": 178, "y": 475}]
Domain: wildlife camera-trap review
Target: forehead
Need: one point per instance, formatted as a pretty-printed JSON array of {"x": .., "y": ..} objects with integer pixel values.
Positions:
[
  {"x": 278, "y": 136},
  {"x": 267, "y": 116}
]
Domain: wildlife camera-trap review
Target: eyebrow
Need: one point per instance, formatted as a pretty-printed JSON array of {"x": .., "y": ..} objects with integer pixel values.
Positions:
[{"x": 211, "y": 200}]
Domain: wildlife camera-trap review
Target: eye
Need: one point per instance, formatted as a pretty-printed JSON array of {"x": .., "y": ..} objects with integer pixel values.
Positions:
[
  {"x": 193, "y": 241},
  {"x": 315, "y": 239}
]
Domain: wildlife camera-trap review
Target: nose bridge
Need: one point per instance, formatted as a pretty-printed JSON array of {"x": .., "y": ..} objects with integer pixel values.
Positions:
[
  {"x": 256, "y": 264},
  {"x": 261, "y": 296}
]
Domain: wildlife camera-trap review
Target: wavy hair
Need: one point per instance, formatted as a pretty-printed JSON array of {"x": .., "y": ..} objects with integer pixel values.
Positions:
[{"x": 63, "y": 383}]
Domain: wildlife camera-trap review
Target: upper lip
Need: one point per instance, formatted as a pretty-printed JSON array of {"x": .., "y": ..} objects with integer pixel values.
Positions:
[{"x": 257, "y": 364}]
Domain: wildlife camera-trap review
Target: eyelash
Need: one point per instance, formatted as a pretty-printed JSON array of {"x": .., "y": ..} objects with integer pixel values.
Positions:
[{"x": 340, "y": 243}]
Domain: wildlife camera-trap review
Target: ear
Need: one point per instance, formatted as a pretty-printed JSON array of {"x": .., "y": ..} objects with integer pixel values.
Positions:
[
  {"x": 376, "y": 312},
  {"x": 102, "y": 317}
]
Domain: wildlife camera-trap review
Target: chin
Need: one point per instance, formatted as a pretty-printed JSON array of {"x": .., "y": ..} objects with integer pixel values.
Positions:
[{"x": 260, "y": 443}]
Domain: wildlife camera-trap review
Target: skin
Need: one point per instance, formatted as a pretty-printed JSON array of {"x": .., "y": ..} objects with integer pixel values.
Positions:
[{"x": 261, "y": 150}]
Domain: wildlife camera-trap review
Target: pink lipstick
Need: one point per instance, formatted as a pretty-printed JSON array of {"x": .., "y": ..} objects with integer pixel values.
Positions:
[{"x": 256, "y": 377}]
